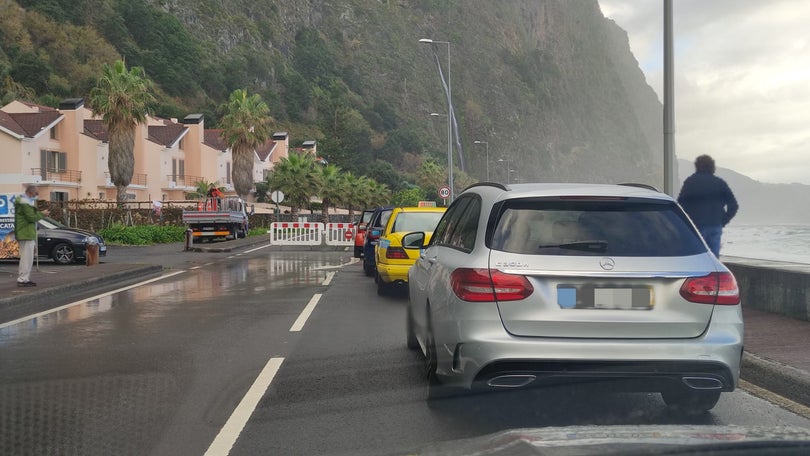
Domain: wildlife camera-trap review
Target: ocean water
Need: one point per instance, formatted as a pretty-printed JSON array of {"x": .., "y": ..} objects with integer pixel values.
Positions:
[{"x": 767, "y": 242}]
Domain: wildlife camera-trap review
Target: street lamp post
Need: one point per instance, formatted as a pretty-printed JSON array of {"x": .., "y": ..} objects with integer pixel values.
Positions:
[
  {"x": 449, "y": 93},
  {"x": 485, "y": 143}
]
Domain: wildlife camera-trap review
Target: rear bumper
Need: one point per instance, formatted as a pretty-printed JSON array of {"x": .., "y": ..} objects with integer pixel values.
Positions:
[
  {"x": 481, "y": 354},
  {"x": 390, "y": 273},
  {"x": 647, "y": 376}
]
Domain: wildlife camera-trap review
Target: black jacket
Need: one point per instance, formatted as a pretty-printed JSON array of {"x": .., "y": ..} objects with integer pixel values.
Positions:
[{"x": 707, "y": 200}]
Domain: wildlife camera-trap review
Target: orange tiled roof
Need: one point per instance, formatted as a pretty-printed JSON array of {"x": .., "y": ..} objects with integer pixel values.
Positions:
[
  {"x": 212, "y": 137},
  {"x": 166, "y": 135},
  {"x": 96, "y": 129},
  {"x": 265, "y": 149},
  {"x": 28, "y": 124}
]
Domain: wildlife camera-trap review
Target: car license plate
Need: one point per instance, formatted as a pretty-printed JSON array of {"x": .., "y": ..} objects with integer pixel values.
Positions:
[
  {"x": 621, "y": 298},
  {"x": 590, "y": 297},
  {"x": 103, "y": 248}
]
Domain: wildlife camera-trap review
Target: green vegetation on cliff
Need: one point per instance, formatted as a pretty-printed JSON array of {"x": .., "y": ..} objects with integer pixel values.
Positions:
[{"x": 550, "y": 84}]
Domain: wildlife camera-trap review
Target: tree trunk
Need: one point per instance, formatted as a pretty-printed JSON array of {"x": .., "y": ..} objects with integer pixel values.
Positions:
[
  {"x": 121, "y": 159},
  {"x": 242, "y": 173}
]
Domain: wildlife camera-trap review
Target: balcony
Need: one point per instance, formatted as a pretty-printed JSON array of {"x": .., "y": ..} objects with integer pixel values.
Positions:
[
  {"x": 57, "y": 176},
  {"x": 176, "y": 181},
  {"x": 138, "y": 179}
]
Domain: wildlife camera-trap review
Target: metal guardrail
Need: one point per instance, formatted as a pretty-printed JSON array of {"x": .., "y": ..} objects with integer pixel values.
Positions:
[
  {"x": 67, "y": 175},
  {"x": 137, "y": 179}
]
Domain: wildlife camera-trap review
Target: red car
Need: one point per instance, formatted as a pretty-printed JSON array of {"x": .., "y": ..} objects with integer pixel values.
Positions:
[{"x": 360, "y": 233}]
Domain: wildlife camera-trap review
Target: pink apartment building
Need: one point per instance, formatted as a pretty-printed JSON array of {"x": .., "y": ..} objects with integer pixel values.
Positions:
[{"x": 64, "y": 151}]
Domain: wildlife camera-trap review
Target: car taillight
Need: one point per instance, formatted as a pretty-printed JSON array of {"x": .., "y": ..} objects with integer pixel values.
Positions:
[
  {"x": 483, "y": 285},
  {"x": 715, "y": 288},
  {"x": 396, "y": 253}
]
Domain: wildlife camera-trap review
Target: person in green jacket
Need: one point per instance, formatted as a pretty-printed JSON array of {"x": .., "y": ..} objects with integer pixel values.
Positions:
[{"x": 26, "y": 216}]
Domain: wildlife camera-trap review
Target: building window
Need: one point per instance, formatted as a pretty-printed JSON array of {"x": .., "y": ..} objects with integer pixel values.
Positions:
[
  {"x": 52, "y": 161},
  {"x": 59, "y": 196},
  {"x": 178, "y": 169}
]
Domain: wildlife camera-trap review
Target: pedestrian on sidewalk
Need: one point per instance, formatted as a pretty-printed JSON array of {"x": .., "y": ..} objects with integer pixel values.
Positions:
[
  {"x": 708, "y": 201},
  {"x": 26, "y": 216}
]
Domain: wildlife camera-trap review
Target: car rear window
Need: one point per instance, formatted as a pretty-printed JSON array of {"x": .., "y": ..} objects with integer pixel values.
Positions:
[
  {"x": 416, "y": 221},
  {"x": 622, "y": 227}
]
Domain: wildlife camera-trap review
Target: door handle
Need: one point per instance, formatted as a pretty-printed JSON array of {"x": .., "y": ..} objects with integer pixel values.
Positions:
[{"x": 432, "y": 260}]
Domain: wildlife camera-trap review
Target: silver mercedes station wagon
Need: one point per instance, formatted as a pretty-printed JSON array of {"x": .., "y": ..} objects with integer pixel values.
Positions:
[{"x": 545, "y": 284}]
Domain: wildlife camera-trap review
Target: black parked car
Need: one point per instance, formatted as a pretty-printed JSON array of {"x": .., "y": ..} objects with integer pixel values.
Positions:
[{"x": 63, "y": 244}]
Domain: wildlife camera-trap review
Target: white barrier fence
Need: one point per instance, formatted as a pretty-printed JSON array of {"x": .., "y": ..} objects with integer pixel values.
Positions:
[
  {"x": 296, "y": 233},
  {"x": 339, "y": 234}
]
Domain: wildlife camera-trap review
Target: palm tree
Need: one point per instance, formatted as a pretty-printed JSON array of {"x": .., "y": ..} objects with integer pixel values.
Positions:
[
  {"x": 332, "y": 189},
  {"x": 122, "y": 98},
  {"x": 297, "y": 177},
  {"x": 352, "y": 193},
  {"x": 201, "y": 190},
  {"x": 379, "y": 193},
  {"x": 245, "y": 126}
]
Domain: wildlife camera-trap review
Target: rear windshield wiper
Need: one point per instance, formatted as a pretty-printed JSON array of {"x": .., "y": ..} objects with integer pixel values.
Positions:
[{"x": 587, "y": 246}]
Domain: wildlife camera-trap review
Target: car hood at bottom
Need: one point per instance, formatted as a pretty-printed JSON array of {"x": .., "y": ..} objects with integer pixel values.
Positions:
[{"x": 624, "y": 440}]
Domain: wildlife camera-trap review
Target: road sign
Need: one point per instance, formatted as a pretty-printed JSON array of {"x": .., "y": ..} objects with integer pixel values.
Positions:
[
  {"x": 444, "y": 191},
  {"x": 278, "y": 196},
  {"x": 348, "y": 235}
]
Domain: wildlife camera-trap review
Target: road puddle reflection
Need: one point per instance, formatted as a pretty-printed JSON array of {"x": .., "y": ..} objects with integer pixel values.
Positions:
[{"x": 228, "y": 283}]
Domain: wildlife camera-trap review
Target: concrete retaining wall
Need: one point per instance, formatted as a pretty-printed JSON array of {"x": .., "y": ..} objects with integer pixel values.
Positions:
[{"x": 773, "y": 286}]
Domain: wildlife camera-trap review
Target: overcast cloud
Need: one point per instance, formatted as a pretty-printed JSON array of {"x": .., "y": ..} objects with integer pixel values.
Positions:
[{"x": 742, "y": 79}]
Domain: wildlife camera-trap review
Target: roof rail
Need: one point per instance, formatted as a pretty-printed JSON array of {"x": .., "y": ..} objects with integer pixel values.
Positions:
[
  {"x": 488, "y": 184},
  {"x": 644, "y": 186}
]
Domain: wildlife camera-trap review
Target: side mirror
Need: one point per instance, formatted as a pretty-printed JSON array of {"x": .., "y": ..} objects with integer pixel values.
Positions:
[
  {"x": 415, "y": 240},
  {"x": 375, "y": 234}
]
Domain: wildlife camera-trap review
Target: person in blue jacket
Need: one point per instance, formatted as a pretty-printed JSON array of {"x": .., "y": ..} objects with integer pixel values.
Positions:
[{"x": 708, "y": 201}]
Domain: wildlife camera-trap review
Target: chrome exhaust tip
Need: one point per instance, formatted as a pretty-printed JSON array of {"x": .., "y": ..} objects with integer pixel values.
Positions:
[
  {"x": 702, "y": 383},
  {"x": 511, "y": 381}
]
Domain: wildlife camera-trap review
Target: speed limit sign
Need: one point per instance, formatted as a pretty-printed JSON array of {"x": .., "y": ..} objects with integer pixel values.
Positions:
[{"x": 444, "y": 192}]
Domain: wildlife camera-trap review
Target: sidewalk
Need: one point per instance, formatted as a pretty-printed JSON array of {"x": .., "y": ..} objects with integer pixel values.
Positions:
[
  {"x": 777, "y": 354},
  {"x": 777, "y": 348}
]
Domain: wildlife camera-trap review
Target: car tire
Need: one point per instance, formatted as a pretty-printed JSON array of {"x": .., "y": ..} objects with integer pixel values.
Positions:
[
  {"x": 690, "y": 402},
  {"x": 410, "y": 331},
  {"x": 368, "y": 269},
  {"x": 436, "y": 391},
  {"x": 63, "y": 253},
  {"x": 358, "y": 252},
  {"x": 382, "y": 287}
]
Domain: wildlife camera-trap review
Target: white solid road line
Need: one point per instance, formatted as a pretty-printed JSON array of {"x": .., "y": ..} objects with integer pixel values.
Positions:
[
  {"x": 257, "y": 248},
  {"x": 67, "y": 306},
  {"x": 302, "y": 319},
  {"x": 328, "y": 279},
  {"x": 224, "y": 441}
]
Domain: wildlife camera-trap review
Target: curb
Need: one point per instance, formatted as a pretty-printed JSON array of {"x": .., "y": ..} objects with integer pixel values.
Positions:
[
  {"x": 782, "y": 379},
  {"x": 120, "y": 276}
]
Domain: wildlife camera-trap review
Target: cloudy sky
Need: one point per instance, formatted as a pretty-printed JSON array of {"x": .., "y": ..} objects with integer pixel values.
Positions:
[{"x": 742, "y": 79}]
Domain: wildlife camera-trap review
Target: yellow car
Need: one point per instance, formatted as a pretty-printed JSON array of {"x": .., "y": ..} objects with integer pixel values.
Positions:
[{"x": 393, "y": 261}]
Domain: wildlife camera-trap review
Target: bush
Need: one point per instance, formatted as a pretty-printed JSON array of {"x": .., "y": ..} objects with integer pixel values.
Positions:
[
  {"x": 257, "y": 231},
  {"x": 143, "y": 234}
]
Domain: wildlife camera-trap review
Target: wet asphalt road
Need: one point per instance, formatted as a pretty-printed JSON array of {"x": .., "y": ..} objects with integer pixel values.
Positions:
[{"x": 159, "y": 369}]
